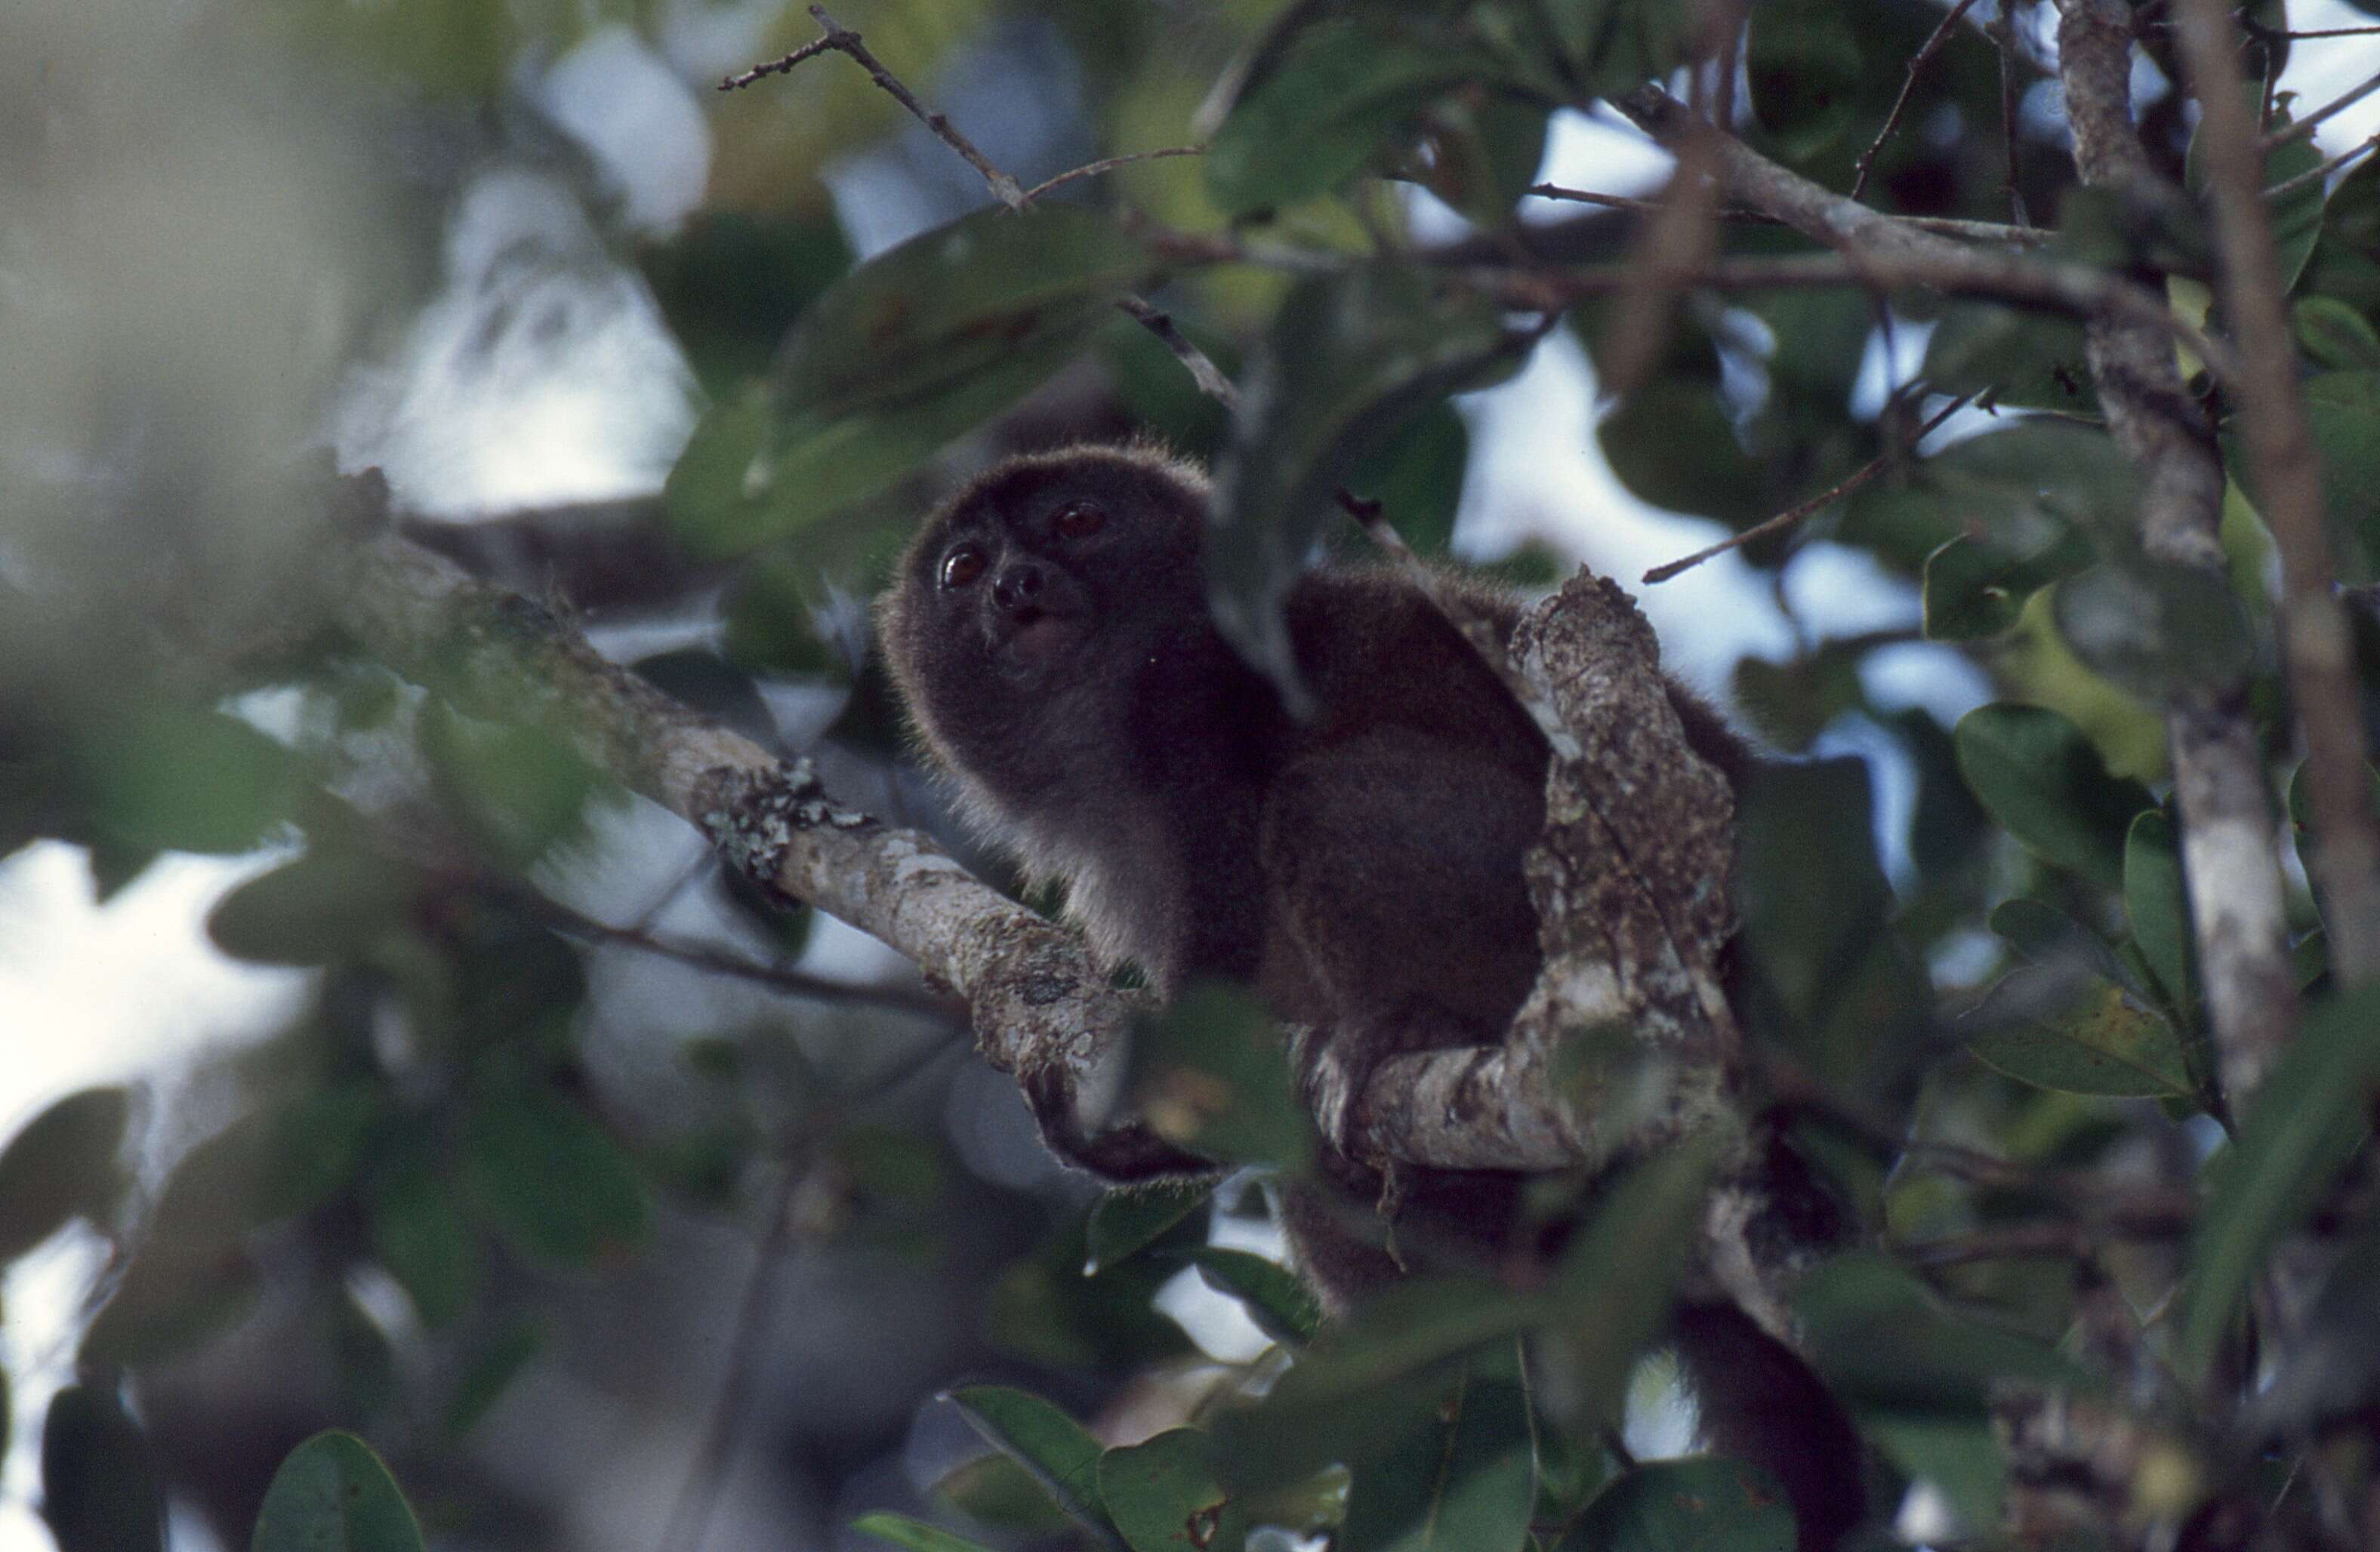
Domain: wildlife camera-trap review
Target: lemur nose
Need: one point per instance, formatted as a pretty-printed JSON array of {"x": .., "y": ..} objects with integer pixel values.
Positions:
[{"x": 1018, "y": 588}]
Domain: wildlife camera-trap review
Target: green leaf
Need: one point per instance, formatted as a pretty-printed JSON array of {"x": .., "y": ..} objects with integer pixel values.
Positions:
[
  {"x": 2041, "y": 778},
  {"x": 2024, "y": 359},
  {"x": 326, "y": 906},
  {"x": 98, "y": 1486},
  {"x": 2343, "y": 412},
  {"x": 1464, "y": 1479},
  {"x": 1208, "y": 1073},
  {"x": 552, "y": 1182},
  {"x": 1131, "y": 1218},
  {"x": 1674, "y": 445},
  {"x": 2097, "y": 1039},
  {"x": 2335, "y": 335},
  {"x": 1686, "y": 1506},
  {"x": 1613, "y": 1286},
  {"x": 1883, "y": 1340},
  {"x": 1350, "y": 362},
  {"x": 166, "y": 777},
  {"x": 731, "y": 282},
  {"x": 171, "y": 1298},
  {"x": 2155, "y": 905},
  {"x": 2153, "y": 628},
  {"x": 333, "y": 1495},
  {"x": 1050, "y": 1445},
  {"x": 1484, "y": 155},
  {"x": 2310, "y": 1116},
  {"x": 1805, "y": 71},
  {"x": 1418, "y": 480},
  {"x": 278, "y": 1162},
  {"x": 490, "y": 1374},
  {"x": 421, "y": 1237},
  {"x": 914, "y": 1534},
  {"x": 1341, "y": 89},
  {"x": 1274, "y": 1298},
  {"x": 1164, "y": 1495},
  {"x": 2295, "y": 217},
  {"x": 63, "y": 1164},
  {"x": 1616, "y": 45},
  {"x": 1976, "y": 589},
  {"x": 921, "y": 343},
  {"x": 518, "y": 790}
]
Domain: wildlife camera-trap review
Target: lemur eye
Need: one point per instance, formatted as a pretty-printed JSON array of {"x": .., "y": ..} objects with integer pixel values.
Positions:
[
  {"x": 962, "y": 567},
  {"x": 1082, "y": 518}
]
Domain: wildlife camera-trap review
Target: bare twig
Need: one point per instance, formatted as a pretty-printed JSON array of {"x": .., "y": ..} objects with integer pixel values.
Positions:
[
  {"x": 1917, "y": 62},
  {"x": 2302, "y": 127},
  {"x": 1817, "y": 503},
  {"x": 2002, "y": 32},
  {"x": 2316, "y": 175},
  {"x": 2262, "y": 32},
  {"x": 2229, "y": 845},
  {"x": 843, "y": 39},
  {"x": 1203, "y": 371},
  {"x": 1941, "y": 225},
  {"x": 1108, "y": 164},
  {"x": 1886, "y": 253},
  {"x": 2315, "y": 643}
]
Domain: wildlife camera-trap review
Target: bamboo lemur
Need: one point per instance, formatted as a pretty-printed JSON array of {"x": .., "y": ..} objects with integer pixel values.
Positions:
[{"x": 1359, "y": 867}]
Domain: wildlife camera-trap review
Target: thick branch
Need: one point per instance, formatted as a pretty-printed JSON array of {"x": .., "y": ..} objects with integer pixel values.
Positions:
[
  {"x": 2315, "y": 644},
  {"x": 2230, "y": 856}
]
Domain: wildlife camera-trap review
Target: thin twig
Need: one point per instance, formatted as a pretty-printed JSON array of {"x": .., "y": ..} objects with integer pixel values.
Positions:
[
  {"x": 1917, "y": 62},
  {"x": 1203, "y": 371},
  {"x": 2002, "y": 34},
  {"x": 1817, "y": 503},
  {"x": 2316, "y": 175},
  {"x": 2300, "y": 37},
  {"x": 843, "y": 39},
  {"x": 2304, "y": 127},
  {"x": 1091, "y": 169},
  {"x": 1941, "y": 225}
]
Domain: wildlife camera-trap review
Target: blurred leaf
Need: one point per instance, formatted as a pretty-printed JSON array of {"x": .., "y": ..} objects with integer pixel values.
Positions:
[
  {"x": 1274, "y": 1297},
  {"x": 1805, "y": 72},
  {"x": 62, "y": 1164},
  {"x": 697, "y": 677},
  {"x": 2092, "y": 1039},
  {"x": 2335, "y": 336},
  {"x": 2308, "y": 1118},
  {"x": 2045, "y": 784},
  {"x": 326, "y": 906},
  {"x": 491, "y": 1372},
  {"x": 165, "y": 778},
  {"x": 1418, "y": 480},
  {"x": 1052, "y": 1446},
  {"x": 1131, "y": 1218},
  {"x": 1466, "y": 1479},
  {"x": 1365, "y": 1381},
  {"x": 2029, "y": 360},
  {"x": 333, "y": 1495},
  {"x": 277, "y": 1162},
  {"x": 421, "y": 1236},
  {"x": 919, "y": 344},
  {"x": 2152, "y": 627},
  {"x": 1673, "y": 444},
  {"x": 1164, "y": 1496},
  {"x": 994, "y": 1490},
  {"x": 1341, "y": 89},
  {"x": 1686, "y": 1506},
  {"x": 1208, "y": 1074},
  {"x": 2343, "y": 411},
  {"x": 773, "y": 621},
  {"x": 363, "y": 1361},
  {"x": 2046, "y": 935},
  {"x": 914, "y": 1534},
  {"x": 518, "y": 790},
  {"x": 2155, "y": 905},
  {"x": 1484, "y": 153},
  {"x": 1616, "y": 45},
  {"x": 2298, "y": 804},
  {"x": 731, "y": 282},
  {"x": 99, "y": 1485},
  {"x": 172, "y": 1297},
  {"x": 1612, "y": 1289},
  {"x": 2295, "y": 217},
  {"x": 1788, "y": 704},
  {"x": 551, "y": 1180},
  {"x": 1350, "y": 362},
  {"x": 1882, "y": 1340},
  {"x": 1976, "y": 588}
]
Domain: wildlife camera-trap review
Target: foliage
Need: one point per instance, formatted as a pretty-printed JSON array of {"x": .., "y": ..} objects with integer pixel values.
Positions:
[{"x": 1991, "y": 1030}]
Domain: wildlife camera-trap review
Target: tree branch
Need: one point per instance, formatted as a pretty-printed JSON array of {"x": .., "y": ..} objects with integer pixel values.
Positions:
[
  {"x": 2315, "y": 643},
  {"x": 2229, "y": 845}
]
